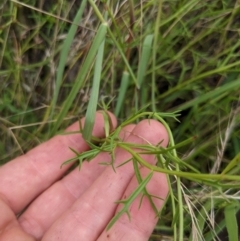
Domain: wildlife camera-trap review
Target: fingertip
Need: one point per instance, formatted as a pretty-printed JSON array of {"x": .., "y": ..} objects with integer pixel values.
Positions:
[
  {"x": 126, "y": 131},
  {"x": 99, "y": 124},
  {"x": 152, "y": 131},
  {"x": 112, "y": 119},
  {"x": 98, "y": 128}
]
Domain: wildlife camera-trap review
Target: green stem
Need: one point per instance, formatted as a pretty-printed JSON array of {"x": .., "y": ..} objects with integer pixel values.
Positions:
[{"x": 188, "y": 175}]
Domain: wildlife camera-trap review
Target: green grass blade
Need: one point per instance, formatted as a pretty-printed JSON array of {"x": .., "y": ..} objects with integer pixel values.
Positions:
[
  {"x": 234, "y": 162},
  {"x": 201, "y": 76},
  {"x": 122, "y": 92},
  {"x": 230, "y": 213},
  {"x": 225, "y": 89},
  {"x": 92, "y": 105},
  {"x": 82, "y": 74},
  {"x": 214, "y": 232},
  {"x": 65, "y": 50},
  {"x": 145, "y": 56},
  {"x": 154, "y": 54}
]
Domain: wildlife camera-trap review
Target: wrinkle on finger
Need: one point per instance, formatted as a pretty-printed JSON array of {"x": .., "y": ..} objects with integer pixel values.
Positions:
[
  {"x": 150, "y": 132},
  {"x": 7, "y": 215},
  {"x": 126, "y": 131}
]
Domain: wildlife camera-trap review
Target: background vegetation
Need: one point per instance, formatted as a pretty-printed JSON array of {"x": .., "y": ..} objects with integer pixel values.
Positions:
[{"x": 163, "y": 56}]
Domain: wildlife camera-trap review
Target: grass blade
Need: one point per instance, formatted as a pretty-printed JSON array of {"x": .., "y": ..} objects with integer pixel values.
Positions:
[
  {"x": 92, "y": 106},
  {"x": 122, "y": 92},
  {"x": 146, "y": 52},
  {"x": 63, "y": 56},
  {"x": 82, "y": 74},
  {"x": 225, "y": 89},
  {"x": 230, "y": 213}
]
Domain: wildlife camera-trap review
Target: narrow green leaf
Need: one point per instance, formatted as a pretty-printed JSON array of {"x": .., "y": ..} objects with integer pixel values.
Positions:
[
  {"x": 230, "y": 213},
  {"x": 127, "y": 202},
  {"x": 100, "y": 36},
  {"x": 199, "y": 77},
  {"x": 116, "y": 42},
  {"x": 92, "y": 105},
  {"x": 231, "y": 164},
  {"x": 123, "y": 163},
  {"x": 122, "y": 92},
  {"x": 145, "y": 56},
  {"x": 64, "y": 53},
  {"x": 80, "y": 159},
  {"x": 224, "y": 89},
  {"x": 145, "y": 192}
]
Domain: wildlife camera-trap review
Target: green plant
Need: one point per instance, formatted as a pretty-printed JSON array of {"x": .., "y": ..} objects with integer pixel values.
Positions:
[{"x": 146, "y": 58}]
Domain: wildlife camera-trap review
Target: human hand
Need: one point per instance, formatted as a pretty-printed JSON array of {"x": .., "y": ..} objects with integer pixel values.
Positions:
[{"x": 54, "y": 205}]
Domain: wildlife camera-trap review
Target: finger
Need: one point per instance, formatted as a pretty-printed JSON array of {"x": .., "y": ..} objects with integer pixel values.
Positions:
[
  {"x": 90, "y": 214},
  {"x": 9, "y": 227},
  {"x": 27, "y": 176},
  {"x": 15, "y": 233},
  {"x": 60, "y": 196},
  {"x": 143, "y": 218}
]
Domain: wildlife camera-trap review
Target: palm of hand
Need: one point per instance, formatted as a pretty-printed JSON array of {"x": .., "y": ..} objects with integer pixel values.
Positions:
[{"x": 79, "y": 205}]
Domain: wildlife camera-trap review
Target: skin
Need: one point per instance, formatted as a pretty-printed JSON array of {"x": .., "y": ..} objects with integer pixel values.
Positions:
[{"x": 39, "y": 201}]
